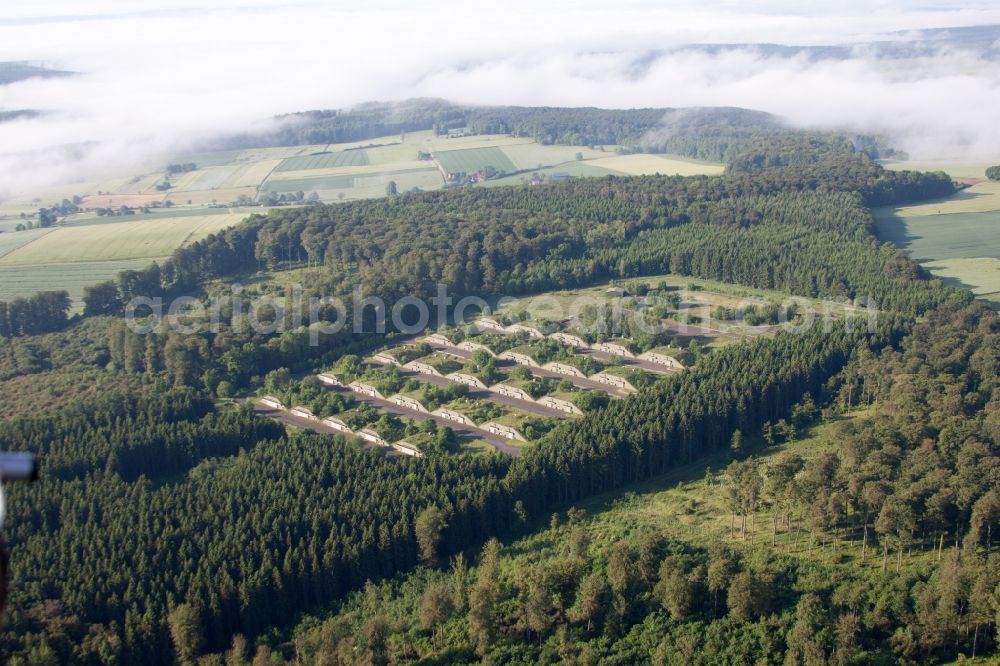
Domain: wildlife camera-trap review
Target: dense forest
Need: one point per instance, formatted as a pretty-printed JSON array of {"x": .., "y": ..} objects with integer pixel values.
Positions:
[
  {"x": 168, "y": 523},
  {"x": 879, "y": 551},
  {"x": 738, "y": 136}
]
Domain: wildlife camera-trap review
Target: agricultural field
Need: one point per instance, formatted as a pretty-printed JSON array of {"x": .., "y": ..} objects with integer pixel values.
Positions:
[
  {"x": 71, "y": 277},
  {"x": 472, "y": 160},
  {"x": 640, "y": 164},
  {"x": 957, "y": 238},
  {"x": 325, "y": 160},
  {"x": 111, "y": 242},
  {"x": 86, "y": 248},
  {"x": 13, "y": 240}
]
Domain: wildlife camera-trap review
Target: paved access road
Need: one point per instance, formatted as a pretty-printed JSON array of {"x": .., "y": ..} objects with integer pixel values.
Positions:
[
  {"x": 579, "y": 382},
  {"x": 315, "y": 425}
]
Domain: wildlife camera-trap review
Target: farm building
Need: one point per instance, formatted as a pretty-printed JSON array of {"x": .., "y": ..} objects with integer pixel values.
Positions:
[
  {"x": 422, "y": 368},
  {"x": 366, "y": 389},
  {"x": 329, "y": 379},
  {"x": 528, "y": 330},
  {"x": 564, "y": 369},
  {"x": 372, "y": 437},
  {"x": 471, "y": 346},
  {"x": 272, "y": 402},
  {"x": 505, "y": 431},
  {"x": 520, "y": 359},
  {"x": 614, "y": 348},
  {"x": 452, "y": 415},
  {"x": 511, "y": 392},
  {"x": 613, "y": 380},
  {"x": 386, "y": 358},
  {"x": 490, "y": 323},
  {"x": 407, "y": 402},
  {"x": 558, "y": 403},
  {"x": 615, "y": 292},
  {"x": 571, "y": 340},
  {"x": 407, "y": 449},
  {"x": 468, "y": 380},
  {"x": 337, "y": 424},
  {"x": 303, "y": 412},
  {"x": 664, "y": 359}
]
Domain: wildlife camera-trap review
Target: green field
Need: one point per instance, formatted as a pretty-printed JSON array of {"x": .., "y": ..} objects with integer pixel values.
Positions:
[
  {"x": 961, "y": 247},
  {"x": 86, "y": 248},
  {"x": 113, "y": 242},
  {"x": 343, "y": 158},
  {"x": 27, "y": 280},
  {"x": 574, "y": 169},
  {"x": 639, "y": 164},
  {"x": 472, "y": 160},
  {"x": 320, "y": 183},
  {"x": 12, "y": 240}
]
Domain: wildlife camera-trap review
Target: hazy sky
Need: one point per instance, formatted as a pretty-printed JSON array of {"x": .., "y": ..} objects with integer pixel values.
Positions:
[{"x": 158, "y": 75}]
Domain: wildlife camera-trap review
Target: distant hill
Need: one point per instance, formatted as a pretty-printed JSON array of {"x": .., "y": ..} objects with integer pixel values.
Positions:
[{"x": 14, "y": 71}]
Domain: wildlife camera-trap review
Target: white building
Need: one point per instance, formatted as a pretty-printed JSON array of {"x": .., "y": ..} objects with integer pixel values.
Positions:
[
  {"x": 437, "y": 339},
  {"x": 614, "y": 348},
  {"x": 571, "y": 340},
  {"x": 366, "y": 389},
  {"x": 386, "y": 358},
  {"x": 613, "y": 380},
  {"x": 469, "y": 345},
  {"x": 422, "y": 368},
  {"x": 504, "y": 431},
  {"x": 559, "y": 404},
  {"x": 272, "y": 402},
  {"x": 512, "y": 392},
  {"x": 660, "y": 358},
  {"x": 407, "y": 449},
  {"x": 564, "y": 369},
  {"x": 407, "y": 402},
  {"x": 303, "y": 412},
  {"x": 372, "y": 437},
  {"x": 337, "y": 424},
  {"x": 452, "y": 415},
  {"x": 329, "y": 379},
  {"x": 468, "y": 380},
  {"x": 519, "y": 358},
  {"x": 489, "y": 323},
  {"x": 530, "y": 331}
]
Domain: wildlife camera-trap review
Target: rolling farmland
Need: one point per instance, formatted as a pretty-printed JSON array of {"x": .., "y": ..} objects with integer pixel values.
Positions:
[
  {"x": 639, "y": 164},
  {"x": 344, "y": 158},
  {"x": 86, "y": 248},
  {"x": 471, "y": 160},
  {"x": 111, "y": 242},
  {"x": 957, "y": 238},
  {"x": 72, "y": 277}
]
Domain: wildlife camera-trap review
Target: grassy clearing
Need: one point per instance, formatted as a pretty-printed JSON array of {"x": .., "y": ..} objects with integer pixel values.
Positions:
[
  {"x": 113, "y": 242},
  {"x": 562, "y": 304},
  {"x": 642, "y": 164},
  {"x": 344, "y": 158},
  {"x": 471, "y": 160}
]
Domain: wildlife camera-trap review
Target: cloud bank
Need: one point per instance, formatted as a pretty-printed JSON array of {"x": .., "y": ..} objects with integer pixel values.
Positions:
[{"x": 162, "y": 79}]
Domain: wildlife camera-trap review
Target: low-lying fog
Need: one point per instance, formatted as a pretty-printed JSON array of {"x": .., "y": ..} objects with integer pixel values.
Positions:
[{"x": 158, "y": 77}]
